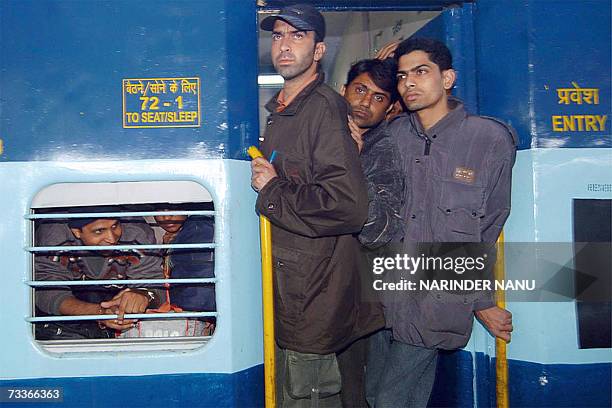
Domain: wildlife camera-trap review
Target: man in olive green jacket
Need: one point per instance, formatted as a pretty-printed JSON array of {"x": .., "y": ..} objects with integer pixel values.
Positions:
[{"x": 315, "y": 196}]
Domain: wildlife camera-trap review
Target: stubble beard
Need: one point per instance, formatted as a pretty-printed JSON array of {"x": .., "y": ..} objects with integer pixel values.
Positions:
[
  {"x": 426, "y": 101},
  {"x": 415, "y": 106},
  {"x": 295, "y": 70},
  {"x": 365, "y": 123}
]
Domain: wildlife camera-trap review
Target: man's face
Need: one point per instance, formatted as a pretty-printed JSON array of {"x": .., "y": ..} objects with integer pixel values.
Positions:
[
  {"x": 293, "y": 51},
  {"x": 99, "y": 233},
  {"x": 369, "y": 103},
  {"x": 170, "y": 223},
  {"x": 420, "y": 82}
]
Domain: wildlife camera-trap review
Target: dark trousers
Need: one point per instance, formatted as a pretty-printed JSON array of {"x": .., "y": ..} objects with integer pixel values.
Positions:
[
  {"x": 399, "y": 375},
  {"x": 352, "y": 361},
  {"x": 305, "y": 380}
]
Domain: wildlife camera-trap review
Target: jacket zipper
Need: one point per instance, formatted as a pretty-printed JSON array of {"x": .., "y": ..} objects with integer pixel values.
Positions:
[
  {"x": 420, "y": 134},
  {"x": 427, "y": 145}
]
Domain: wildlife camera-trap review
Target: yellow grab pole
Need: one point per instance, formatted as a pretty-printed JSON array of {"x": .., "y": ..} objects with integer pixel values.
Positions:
[
  {"x": 501, "y": 360},
  {"x": 265, "y": 234}
]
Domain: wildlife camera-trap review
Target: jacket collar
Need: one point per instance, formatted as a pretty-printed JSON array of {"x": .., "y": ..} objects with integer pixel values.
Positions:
[
  {"x": 372, "y": 136},
  {"x": 299, "y": 100},
  {"x": 450, "y": 121}
]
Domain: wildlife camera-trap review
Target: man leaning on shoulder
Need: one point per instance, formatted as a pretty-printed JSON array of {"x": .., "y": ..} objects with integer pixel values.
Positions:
[{"x": 371, "y": 90}]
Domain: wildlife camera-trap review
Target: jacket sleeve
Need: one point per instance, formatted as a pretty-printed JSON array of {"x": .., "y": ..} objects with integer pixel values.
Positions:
[
  {"x": 385, "y": 184},
  {"x": 330, "y": 198},
  {"x": 47, "y": 267},
  {"x": 149, "y": 265},
  {"x": 497, "y": 202}
]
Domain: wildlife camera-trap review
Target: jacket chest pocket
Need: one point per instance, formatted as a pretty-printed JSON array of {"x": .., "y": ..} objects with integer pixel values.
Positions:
[{"x": 458, "y": 210}]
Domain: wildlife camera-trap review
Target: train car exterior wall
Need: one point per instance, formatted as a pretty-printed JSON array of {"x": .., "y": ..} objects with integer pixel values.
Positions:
[{"x": 118, "y": 91}]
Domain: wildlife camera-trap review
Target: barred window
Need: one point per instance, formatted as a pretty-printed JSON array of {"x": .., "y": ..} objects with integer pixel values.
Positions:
[{"x": 123, "y": 266}]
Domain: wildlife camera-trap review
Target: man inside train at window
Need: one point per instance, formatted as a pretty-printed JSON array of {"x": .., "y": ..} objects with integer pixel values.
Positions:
[
  {"x": 181, "y": 264},
  {"x": 371, "y": 90},
  {"x": 457, "y": 170},
  {"x": 188, "y": 263},
  {"x": 94, "y": 265},
  {"x": 315, "y": 196},
  {"x": 171, "y": 225}
]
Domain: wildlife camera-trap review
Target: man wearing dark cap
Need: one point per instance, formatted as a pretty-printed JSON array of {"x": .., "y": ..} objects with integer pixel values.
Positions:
[
  {"x": 315, "y": 196},
  {"x": 93, "y": 265}
]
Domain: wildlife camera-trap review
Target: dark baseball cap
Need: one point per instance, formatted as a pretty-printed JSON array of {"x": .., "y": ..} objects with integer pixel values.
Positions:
[{"x": 301, "y": 16}]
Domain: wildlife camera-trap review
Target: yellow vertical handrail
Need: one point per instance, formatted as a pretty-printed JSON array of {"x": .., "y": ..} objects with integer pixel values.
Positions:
[
  {"x": 265, "y": 235},
  {"x": 501, "y": 359}
]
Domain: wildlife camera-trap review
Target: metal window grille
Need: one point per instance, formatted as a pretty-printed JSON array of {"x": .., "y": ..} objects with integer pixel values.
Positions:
[{"x": 33, "y": 283}]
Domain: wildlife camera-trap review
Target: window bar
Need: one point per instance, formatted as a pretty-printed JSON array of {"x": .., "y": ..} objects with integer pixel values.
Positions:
[
  {"x": 70, "y": 248},
  {"x": 115, "y": 214},
  {"x": 35, "y": 283},
  {"x": 65, "y": 318},
  {"x": 64, "y": 249}
]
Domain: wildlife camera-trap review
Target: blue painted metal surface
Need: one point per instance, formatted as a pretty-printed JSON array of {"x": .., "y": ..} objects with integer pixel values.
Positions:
[
  {"x": 455, "y": 28},
  {"x": 559, "y": 385},
  {"x": 241, "y": 389},
  {"x": 503, "y": 65},
  {"x": 527, "y": 50},
  {"x": 531, "y": 384},
  {"x": 454, "y": 376},
  {"x": 237, "y": 342},
  {"x": 485, "y": 380},
  {"x": 368, "y": 5},
  {"x": 62, "y": 65}
]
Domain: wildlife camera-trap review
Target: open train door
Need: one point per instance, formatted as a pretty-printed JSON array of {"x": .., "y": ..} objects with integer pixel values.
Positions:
[
  {"x": 358, "y": 29},
  {"x": 520, "y": 62}
]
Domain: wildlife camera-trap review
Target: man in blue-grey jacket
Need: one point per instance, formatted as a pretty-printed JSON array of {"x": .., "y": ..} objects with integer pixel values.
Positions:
[{"x": 457, "y": 170}]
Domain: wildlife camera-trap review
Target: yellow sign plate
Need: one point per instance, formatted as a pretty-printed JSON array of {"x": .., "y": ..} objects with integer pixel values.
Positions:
[{"x": 161, "y": 102}]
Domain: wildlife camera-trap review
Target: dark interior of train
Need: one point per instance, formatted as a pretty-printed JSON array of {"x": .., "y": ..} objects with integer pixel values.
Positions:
[{"x": 156, "y": 226}]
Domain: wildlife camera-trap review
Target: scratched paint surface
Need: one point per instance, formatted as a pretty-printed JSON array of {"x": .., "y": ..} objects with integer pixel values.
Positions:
[{"x": 63, "y": 63}]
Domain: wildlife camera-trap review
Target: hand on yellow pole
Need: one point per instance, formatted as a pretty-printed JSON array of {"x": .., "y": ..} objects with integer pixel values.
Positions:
[
  {"x": 254, "y": 152},
  {"x": 501, "y": 359},
  {"x": 265, "y": 232}
]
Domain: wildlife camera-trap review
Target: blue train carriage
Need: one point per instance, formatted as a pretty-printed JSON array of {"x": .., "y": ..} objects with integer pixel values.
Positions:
[
  {"x": 134, "y": 105},
  {"x": 87, "y": 103}
]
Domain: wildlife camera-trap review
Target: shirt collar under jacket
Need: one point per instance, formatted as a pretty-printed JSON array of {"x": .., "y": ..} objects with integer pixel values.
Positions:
[
  {"x": 283, "y": 103},
  {"x": 299, "y": 99}
]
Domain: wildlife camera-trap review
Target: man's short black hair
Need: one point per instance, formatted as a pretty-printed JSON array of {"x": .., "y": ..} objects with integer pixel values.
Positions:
[
  {"x": 438, "y": 52},
  {"x": 79, "y": 223},
  {"x": 383, "y": 74}
]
